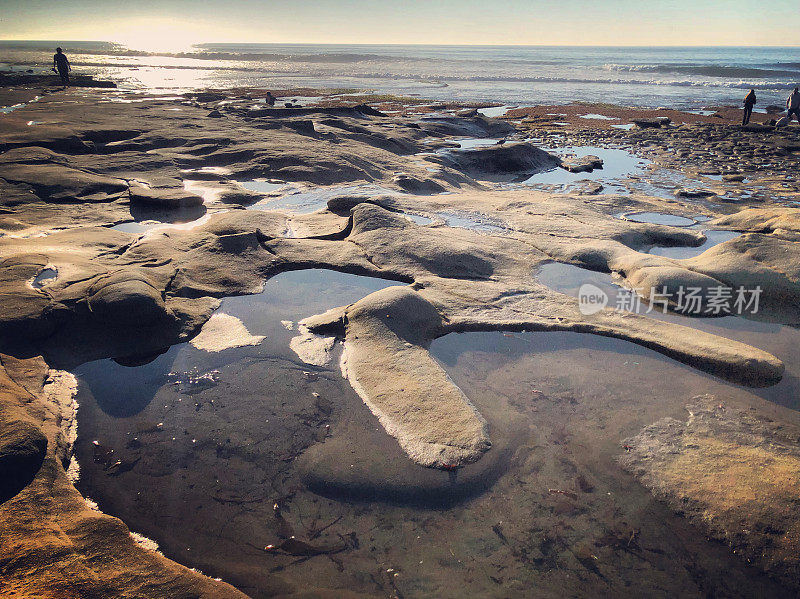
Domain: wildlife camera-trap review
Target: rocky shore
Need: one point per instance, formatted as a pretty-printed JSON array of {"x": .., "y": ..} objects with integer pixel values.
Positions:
[{"x": 127, "y": 218}]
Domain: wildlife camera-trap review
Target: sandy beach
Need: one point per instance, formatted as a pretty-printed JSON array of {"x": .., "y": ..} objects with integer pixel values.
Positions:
[{"x": 341, "y": 347}]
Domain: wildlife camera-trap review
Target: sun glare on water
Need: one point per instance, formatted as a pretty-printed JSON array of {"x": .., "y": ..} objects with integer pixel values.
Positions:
[{"x": 157, "y": 36}]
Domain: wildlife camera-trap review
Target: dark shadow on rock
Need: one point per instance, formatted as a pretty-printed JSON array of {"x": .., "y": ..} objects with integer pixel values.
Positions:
[
  {"x": 141, "y": 212},
  {"x": 501, "y": 160},
  {"x": 416, "y": 186},
  {"x": 478, "y": 126},
  {"x": 22, "y": 450},
  {"x": 163, "y": 198}
]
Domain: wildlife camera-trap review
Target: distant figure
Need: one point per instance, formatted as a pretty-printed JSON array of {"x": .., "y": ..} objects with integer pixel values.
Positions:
[
  {"x": 793, "y": 105},
  {"x": 270, "y": 99},
  {"x": 61, "y": 64},
  {"x": 749, "y": 102}
]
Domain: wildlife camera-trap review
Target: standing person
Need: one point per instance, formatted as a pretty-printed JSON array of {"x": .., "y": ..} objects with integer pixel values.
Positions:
[
  {"x": 749, "y": 102},
  {"x": 793, "y": 104},
  {"x": 61, "y": 63}
]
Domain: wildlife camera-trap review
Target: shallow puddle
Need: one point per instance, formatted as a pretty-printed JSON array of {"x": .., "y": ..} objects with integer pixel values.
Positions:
[
  {"x": 313, "y": 200},
  {"x": 263, "y": 186},
  {"x": 658, "y": 218},
  {"x": 598, "y": 117},
  {"x": 494, "y": 112},
  {"x": 48, "y": 275},
  {"x": 470, "y": 143},
  {"x": 197, "y": 459},
  {"x": 287, "y": 298},
  {"x": 681, "y": 253},
  {"x": 568, "y": 278},
  {"x": 778, "y": 339},
  {"x": 617, "y": 164},
  {"x": 192, "y": 448},
  {"x": 418, "y": 218},
  {"x": 571, "y": 523},
  {"x": 144, "y": 226},
  {"x": 472, "y": 221},
  {"x": 137, "y": 228},
  {"x": 10, "y": 109}
]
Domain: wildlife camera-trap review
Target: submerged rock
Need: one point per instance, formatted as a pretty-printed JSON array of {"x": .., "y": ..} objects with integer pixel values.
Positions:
[
  {"x": 416, "y": 186},
  {"x": 736, "y": 474}
]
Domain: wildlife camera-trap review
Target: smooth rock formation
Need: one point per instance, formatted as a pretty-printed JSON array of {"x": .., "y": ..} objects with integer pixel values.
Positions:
[
  {"x": 585, "y": 164},
  {"x": 223, "y": 331},
  {"x": 388, "y": 365}
]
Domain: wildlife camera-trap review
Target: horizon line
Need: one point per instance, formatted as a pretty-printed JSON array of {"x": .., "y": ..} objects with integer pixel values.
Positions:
[{"x": 199, "y": 43}]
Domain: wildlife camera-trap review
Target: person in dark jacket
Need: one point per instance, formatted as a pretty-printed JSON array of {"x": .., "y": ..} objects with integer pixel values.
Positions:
[
  {"x": 793, "y": 104},
  {"x": 749, "y": 102},
  {"x": 61, "y": 64}
]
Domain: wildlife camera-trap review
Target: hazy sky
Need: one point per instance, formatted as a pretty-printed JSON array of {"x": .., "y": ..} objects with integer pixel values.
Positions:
[{"x": 573, "y": 22}]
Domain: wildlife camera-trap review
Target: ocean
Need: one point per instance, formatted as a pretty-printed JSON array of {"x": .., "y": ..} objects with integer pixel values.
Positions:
[{"x": 680, "y": 77}]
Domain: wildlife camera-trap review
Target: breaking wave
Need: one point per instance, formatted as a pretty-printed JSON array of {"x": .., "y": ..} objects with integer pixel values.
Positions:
[{"x": 788, "y": 70}]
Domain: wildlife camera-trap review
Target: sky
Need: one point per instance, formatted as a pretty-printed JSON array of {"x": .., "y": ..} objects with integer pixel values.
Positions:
[{"x": 175, "y": 24}]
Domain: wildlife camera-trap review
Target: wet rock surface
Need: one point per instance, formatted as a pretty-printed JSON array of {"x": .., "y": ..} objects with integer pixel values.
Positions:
[{"x": 242, "y": 479}]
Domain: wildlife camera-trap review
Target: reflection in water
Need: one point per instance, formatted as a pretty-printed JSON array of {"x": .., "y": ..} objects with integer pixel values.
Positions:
[
  {"x": 494, "y": 112},
  {"x": 778, "y": 339},
  {"x": 123, "y": 391},
  {"x": 682, "y": 253},
  {"x": 473, "y": 221},
  {"x": 568, "y": 503},
  {"x": 262, "y": 186},
  {"x": 418, "y": 218},
  {"x": 470, "y": 143},
  {"x": 617, "y": 164},
  {"x": 141, "y": 227},
  {"x": 200, "y": 473}
]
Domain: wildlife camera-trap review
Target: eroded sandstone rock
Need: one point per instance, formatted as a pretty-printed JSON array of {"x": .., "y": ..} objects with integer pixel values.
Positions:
[
  {"x": 126, "y": 299},
  {"x": 388, "y": 364}
]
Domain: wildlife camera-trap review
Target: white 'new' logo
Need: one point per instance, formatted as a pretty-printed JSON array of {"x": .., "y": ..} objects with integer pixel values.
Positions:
[{"x": 591, "y": 299}]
